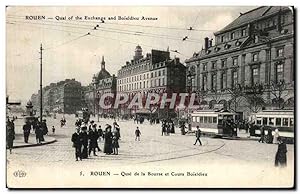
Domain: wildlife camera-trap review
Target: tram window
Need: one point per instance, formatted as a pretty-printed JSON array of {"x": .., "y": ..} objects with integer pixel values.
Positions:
[
  {"x": 278, "y": 121},
  {"x": 265, "y": 120},
  {"x": 205, "y": 119},
  {"x": 291, "y": 122},
  {"x": 258, "y": 121},
  {"x": 271, "y": 121},
  {"x": 194, "y": 119},
  {"x": 198, "y": 119},
  {"x": 201, "y": 119},
  {"x": 285, "y": 122},
  {"x": 214, "y": 119},
  {"x": 209, "y": 119}
]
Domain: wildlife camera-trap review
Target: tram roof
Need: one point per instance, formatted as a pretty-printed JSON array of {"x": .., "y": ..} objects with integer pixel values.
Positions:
[{"x": 214, "y": 112}]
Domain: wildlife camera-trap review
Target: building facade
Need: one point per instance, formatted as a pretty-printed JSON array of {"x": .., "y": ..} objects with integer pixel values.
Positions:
[
  {"x": 62, "y": 97},
  {"x": 103, "y": 82},
  {"x": 155, "y": 72},
  {"x": 256, "y": 50}
]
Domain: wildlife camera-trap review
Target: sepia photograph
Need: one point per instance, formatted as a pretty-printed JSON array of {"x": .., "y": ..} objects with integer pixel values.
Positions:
[{"x": 150, "y": 97}]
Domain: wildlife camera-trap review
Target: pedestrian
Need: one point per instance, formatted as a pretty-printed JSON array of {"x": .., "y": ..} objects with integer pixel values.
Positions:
[
  {"x": 262, "y": 135},
  {"x": 108, "y": 140},
  {"x": 269, "y": 136},
  {"x": 115, "y": 142},
  {"x": 172, "y": 127},
  {"x": 10, "y": 135},
  {"x": 53, "y": 129},
  {"x": 99, "y": 132},
  {"x": 163, "y": 128},
  {"x": 276, "y": 135},
  {"x": 85, "y": 141},
  {"x": 26, "y": 131},
  {"x": 137, "y": 134},
  {"x": 183, "y": 127},
  {"x": 93, "y": 136},
  {"x": 77, "y": 143},
  {"x": 198, "y": 134},
  {"x": 38, "y": 133},
  {"x": 280, "y": 157}
]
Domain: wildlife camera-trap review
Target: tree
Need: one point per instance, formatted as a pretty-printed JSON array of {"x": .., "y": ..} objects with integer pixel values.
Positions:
[
  {"x": 201, "y": 95},
  {"x": 236, "y": 92},
  {"x": 254, "y": 96},
  {"x": 277, "y": 89}
]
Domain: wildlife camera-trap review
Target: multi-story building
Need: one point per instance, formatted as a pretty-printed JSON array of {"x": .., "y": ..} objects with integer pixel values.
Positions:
[
  {"x": 256, "y": 49},
  {"x": 155, "y": 72},
  {"x": 102, "y": 83},
  {"x": 63, "y": 97}
]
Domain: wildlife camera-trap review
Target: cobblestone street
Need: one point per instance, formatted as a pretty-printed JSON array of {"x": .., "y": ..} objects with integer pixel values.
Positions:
[{"x": 152, "y": 150}]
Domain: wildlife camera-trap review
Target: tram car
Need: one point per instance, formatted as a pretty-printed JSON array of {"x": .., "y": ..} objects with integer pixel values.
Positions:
[
  {"x": 213, "y": 123},
  {"x": 283, "y": 120}
]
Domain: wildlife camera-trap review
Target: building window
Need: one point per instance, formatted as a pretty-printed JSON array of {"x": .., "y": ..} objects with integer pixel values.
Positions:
[
  {"x": 213, "y": 64},
  {"x": 235, "y": 61},
  {"x": 204, "y": 82},
  {"x": 151, "y": 75},
  {"x": 163, "y": 72},
  {"x": 158, "y": 82},
  {"x": 232, "y": 35},
  {"x": 155, "y": 74},
  {"x": 222, "y": 38},
  {"x": 204, "y": 66},
  {"x": 279, "y": 72},
  {"x": 163, "y": 81},
  {"x": 243, "y": 32},
  {"x": 223, "y": 80},
  {"x": 279, "y": 52},
  {"x": 223, "y": 63},
  {"x": 214, "y": 82},
  {"x": 159, "y": 74},
  {"x": 234, "y": 78},
  {"x": 255, "y": 57},
  {"x": 255, "y": 76}
]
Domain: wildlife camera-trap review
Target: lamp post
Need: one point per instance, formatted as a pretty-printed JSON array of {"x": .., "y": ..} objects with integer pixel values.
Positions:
[{"x": 190, "y": 77}]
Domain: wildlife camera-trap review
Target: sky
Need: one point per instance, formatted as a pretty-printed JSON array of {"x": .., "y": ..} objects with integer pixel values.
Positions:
[{"x": 71, "y": 53}]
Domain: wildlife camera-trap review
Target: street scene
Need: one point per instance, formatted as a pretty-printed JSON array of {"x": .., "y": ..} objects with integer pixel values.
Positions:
[{"x": 209, "y": 100}]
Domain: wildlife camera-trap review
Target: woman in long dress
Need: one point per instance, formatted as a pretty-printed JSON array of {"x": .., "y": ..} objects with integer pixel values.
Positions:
[{"x": 108, "y": 140}]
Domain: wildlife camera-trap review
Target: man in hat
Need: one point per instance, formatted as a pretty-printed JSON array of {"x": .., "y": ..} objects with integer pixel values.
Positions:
[
  {"x": 77, "y": 143},
  {"x": 93, "y": 136},
  {"x": 85, "y": 141}
]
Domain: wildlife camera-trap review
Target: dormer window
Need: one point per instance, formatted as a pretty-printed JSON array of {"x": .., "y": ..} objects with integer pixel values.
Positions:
[
  {"x": 222, "y": 38},
  {"x": 217, "y": 49},
  {"x": 256, "y": 39},
  {"x": 237, "y": 43},
  {"x": 227, "y": 46},
  {"x": 207, "y": 52}
]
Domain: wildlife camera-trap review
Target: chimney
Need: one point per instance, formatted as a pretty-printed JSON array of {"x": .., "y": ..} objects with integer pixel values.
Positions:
[{"x": 206, "y": 40}]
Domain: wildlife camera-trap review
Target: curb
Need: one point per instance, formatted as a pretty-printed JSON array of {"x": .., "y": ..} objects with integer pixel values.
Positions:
[{"x": 34, "y": 145}]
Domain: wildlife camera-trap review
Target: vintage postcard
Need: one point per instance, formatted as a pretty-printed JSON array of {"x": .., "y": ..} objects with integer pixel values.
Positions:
[{"x": 150, "y": 97}]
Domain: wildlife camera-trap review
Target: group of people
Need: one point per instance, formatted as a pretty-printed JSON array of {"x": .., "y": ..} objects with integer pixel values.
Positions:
[
  {"x": 85, "y": 139},
  {"x": 167, "y": 127},
  {"x": 266, "y": 135}
]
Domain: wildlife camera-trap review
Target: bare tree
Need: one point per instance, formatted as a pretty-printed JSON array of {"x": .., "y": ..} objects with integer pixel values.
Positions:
[
  {"x": 254, "y": 96},
  {"x": 277, "y": 89},
  {"x": 236, "y": 94}
]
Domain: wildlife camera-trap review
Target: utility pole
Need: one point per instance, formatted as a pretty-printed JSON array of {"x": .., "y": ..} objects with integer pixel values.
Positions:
[{"x": 41, "y": 83}]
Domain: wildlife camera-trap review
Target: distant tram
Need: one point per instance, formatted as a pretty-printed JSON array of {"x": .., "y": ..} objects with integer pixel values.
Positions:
[
  {"x": 283, "y": 120},
  {"x": 213, "y": 122}
]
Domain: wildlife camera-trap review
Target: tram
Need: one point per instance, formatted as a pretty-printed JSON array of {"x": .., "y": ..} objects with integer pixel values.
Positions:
[
  {"x": 213, "y": 122},
  {"x": 283, "y": 120}
]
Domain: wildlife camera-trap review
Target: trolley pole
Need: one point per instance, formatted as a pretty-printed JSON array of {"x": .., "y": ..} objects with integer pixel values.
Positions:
[{"x": 41, "y": 83}]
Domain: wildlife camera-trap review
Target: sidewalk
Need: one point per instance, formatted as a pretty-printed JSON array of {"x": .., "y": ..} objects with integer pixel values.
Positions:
[{"x": 19, "y": 141}]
